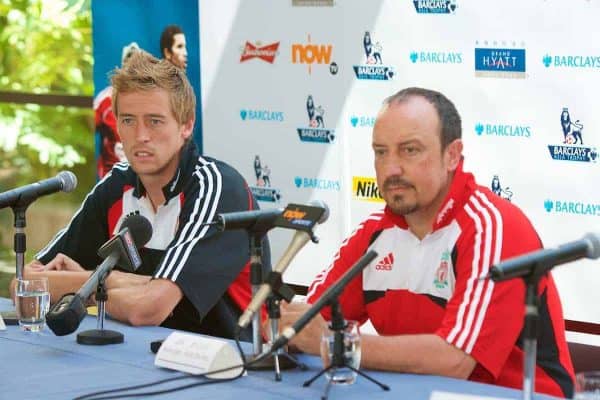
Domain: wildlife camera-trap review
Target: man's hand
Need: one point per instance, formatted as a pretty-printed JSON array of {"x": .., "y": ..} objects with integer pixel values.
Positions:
[
  {"x": 36, "y": 269},
  {"x": 60, "y": 263},
  {"x": 64, "y": 274},
  {"x": 309, "y": 338}
]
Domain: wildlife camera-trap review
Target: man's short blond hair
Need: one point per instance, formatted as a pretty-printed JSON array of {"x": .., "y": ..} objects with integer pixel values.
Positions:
[{"x": 143, "y": 72}]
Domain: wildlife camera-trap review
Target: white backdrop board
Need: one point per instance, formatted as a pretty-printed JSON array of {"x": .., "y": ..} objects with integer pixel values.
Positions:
[{"x": 514, "y": 69}]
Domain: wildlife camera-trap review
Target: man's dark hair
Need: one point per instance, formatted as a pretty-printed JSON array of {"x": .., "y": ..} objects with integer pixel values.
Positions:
[
  {"x": 448, "y": 115},
  {"x": 166, "y": 38}
]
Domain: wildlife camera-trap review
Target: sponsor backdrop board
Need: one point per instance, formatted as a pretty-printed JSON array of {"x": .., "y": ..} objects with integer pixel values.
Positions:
[{"x": 291, "y": 88}]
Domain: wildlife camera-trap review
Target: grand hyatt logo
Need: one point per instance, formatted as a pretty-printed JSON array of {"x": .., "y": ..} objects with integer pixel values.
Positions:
[
  {"x": 266, "y": 53},
  {"x": 365, "y": 189}
]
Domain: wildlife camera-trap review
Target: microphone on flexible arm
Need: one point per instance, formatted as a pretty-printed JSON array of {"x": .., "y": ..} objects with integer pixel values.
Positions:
[
  {"x": 255, "y": 220},
  {"x": 295, "y": 217},
  {"x": 65, "y": 181},
  {"x": 331, "y": 293},
  {"x": 542, "y": 260},
  {"x": 66, "y": 315}
]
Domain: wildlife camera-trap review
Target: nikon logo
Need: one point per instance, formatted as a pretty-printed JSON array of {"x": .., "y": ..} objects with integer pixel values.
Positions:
[
  {"x": 311, "y": 53},
  {"x": 365, "y": 189}
]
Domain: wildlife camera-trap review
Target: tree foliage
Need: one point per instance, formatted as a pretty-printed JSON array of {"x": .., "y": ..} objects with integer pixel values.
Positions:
[{"x": 45, "y": 48}]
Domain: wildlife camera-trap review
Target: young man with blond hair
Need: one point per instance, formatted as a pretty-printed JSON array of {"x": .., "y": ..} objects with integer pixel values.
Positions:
[{"x": 193, "y": 277}]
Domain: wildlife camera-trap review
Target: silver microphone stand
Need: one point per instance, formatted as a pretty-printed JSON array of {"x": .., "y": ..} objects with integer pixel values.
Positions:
[
  {"x": 279, "y": 291},
  {"x": 530, "y": 330}
]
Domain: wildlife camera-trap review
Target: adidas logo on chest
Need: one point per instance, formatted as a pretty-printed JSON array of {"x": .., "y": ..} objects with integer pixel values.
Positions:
[{"x": 407, "y": 263}]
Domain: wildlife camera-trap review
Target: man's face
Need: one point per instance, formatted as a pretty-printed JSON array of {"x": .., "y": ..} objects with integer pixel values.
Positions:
[
  {"x": 152, "y": 138},
  {"x": 178, "y": 53},
  {"x": 413, "y": 174}
]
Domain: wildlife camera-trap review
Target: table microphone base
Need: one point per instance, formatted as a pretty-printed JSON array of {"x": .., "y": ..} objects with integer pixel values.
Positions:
[
  {"x": 285, "y": 362},
  {"x": 99, "y": 337}
]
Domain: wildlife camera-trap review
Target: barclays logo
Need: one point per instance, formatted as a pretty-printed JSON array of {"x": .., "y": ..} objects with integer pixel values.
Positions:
[
  {"x": 572, "y": 207},
  {"x": 263, "y": 190},
  {"x": 435, "y": 6},
  {"x": 362, "y": 121},
  {"x": 569, "y": 153},
  {"x": 377, "y": 73},
  {"x": 500, "y": 63},
  {"x": 571, "y": 61},
  {"x": 266, "y": 194},
  {"x": 572, "y": 147},
  {"x": 435, "y": 57},
  {"x": 261, "y": 115},
  {"x": 316, "y": 135},
  {"x": 316, "y": 183},
  {"x": 373, "y": 68},
  {"x": 316, "y": 131},
  {"x": 506, "y": 130}
]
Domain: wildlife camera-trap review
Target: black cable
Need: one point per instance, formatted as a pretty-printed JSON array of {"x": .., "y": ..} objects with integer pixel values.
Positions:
[
  {"x": 140, "y": 386},
  {"x": 126, "y": 388},
  {"x": 157, "y": 392},
  {"x": 236, "y": 336},
  {"x": 91, "y": 396}
]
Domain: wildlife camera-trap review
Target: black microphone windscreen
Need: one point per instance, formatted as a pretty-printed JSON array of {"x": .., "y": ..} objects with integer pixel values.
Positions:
[
  {"x": 66, "y": 314},
  {"x": 140, "y": 229}
]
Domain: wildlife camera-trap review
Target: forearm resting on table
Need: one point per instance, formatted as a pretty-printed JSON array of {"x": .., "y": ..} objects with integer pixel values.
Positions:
[
  {"x": 145, "y": 304},
  {"x": 119, "y": 279},
  {"x": 63, "y": 282},
  {"x": 418, "y": 354}
]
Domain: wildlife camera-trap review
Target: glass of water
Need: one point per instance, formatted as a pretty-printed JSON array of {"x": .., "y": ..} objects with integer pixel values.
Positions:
[
  {"x": 32, "y": 303},
  {"x": 587, "y": 385},
  {"x": 351, "y": 354}
]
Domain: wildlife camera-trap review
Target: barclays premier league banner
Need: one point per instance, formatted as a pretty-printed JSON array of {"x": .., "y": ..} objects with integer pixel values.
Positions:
[
  {"x": 120, "y": 28},
  {"x": 291, "y": 90}
]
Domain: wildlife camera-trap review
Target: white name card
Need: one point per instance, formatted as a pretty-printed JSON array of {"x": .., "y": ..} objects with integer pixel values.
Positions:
[
  {"x": 438, "y": 395},
  {"x": 195, "y": 354},
  {"x": 2, "y": 325}
]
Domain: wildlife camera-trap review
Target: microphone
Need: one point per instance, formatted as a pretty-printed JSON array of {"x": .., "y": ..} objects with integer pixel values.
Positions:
[
  {"x": 255, "y": 220},
  {"x": 65, "y": 181},
  {"x": 588, "y": 247},
  {"x": 299, "y": 240},
  {"x": 66, "y": 315},
  {"x": 331, "y": 293}
]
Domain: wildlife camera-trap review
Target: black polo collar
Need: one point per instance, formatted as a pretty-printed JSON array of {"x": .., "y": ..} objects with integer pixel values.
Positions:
[{"x": 187, "y": 160}]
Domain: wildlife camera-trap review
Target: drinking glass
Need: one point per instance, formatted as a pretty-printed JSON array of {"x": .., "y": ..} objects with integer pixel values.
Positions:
[
  {"x": 32, "y": 303},
  {"x": 351, "y": 349}
]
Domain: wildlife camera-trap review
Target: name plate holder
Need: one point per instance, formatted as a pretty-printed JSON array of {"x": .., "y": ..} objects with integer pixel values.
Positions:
[
  {"x": 441, "y": 395},
  {"x": 196, "y": 354}
]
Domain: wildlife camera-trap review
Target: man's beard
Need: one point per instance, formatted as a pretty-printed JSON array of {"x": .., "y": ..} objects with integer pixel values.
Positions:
[
  {"x": 399, "y": 207},
  {"x": 396, "y": 203}
]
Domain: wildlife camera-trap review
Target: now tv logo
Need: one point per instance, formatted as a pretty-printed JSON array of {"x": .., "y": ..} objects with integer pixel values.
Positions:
[{"x": 311, "y": 53}]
